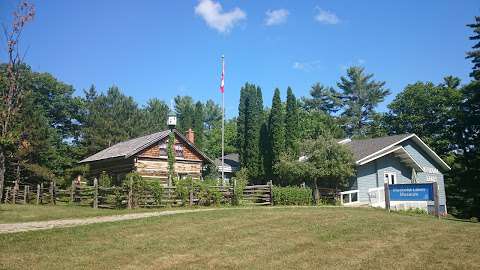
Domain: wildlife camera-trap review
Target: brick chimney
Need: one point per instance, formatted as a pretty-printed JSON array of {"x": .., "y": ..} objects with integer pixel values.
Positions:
[{"x": 190, "y": 135}]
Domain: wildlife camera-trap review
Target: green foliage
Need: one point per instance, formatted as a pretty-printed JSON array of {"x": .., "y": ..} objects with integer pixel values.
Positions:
[
  {"x": 104, "y": 180},
  {"x": 326, "y": 164},
  {"x": 198, "y": 124},
  {"x": 292, "y": 132},
  {"x": 183, "y": 189},
  {"x": 156, "y": 189},
  {"x": 213, "y": 138},
  {"x": 138, "y": 185},
  {"x": 426, "y": 110},
  {"x": 249, "y": 123},
  {"x": 154, "y": 116},
  {"x": 323, "y": 99},
  {"x": 171, "y": 158},
  {"x": 185, "y": 109},
  {"x": 241, "y": 179},
  {"x": 475, "y": 53},
  {"x": 361, "y": 95},
  {"x": 276, "y": 129},
  {"x": 207, "y": 193},
  {"x": 292, "y": 195},
  {"x": 413, "y": 212}
]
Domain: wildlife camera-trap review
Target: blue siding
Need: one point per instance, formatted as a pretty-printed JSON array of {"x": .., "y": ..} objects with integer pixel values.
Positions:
[
  {"x": 425, "y": 161},
  {"x": 371, "y": 175},
  {"x": 366, "y": 178}
]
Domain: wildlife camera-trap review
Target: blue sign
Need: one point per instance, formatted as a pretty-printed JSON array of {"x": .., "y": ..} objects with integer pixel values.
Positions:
[{"x": 411, "y": 192}]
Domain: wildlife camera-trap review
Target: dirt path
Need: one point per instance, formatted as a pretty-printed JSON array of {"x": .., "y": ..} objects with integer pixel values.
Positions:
[{"x": 63, "y": 223}]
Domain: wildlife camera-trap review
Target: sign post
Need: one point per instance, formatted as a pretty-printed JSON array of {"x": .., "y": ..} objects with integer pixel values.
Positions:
[{"x": 387, "y": 197}]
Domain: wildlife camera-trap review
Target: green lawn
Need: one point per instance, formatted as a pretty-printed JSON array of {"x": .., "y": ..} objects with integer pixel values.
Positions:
[
  {"x": 23, "y": 213},
  {"x": 260, "y": 238}
]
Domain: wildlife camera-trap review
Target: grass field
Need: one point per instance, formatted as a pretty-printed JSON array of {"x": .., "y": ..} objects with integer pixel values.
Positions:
[
  {"x": 24, "y": 213},
  {"x": 260, "y": 238}
]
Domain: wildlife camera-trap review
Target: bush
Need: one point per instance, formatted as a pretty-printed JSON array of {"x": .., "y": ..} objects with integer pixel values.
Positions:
[
  {"x": 138, "y": 185},
  {"x": 240, "y": 180},
  {"x": 183, "y": 188},
  {"x": 156, "y": 189},
  {"x": 208, "y": 194},
  {"x": 292, "y": 196},
  {"x": 104, "y": 180}
]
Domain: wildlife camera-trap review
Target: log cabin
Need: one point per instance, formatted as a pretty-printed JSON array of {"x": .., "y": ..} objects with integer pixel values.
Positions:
[{"x": 147, "y": 155}]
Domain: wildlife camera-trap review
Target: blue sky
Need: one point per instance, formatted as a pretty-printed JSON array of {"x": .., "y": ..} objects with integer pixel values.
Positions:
[{"x": 167, "y": 48}]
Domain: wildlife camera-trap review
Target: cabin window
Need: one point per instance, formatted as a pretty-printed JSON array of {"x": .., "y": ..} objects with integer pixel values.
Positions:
[
  {"x": 163, "y": 149},
  {"x": 178, "y": 150}
]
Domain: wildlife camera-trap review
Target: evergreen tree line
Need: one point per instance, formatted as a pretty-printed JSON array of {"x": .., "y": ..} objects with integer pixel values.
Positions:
[{"x": 445, "y": 115}]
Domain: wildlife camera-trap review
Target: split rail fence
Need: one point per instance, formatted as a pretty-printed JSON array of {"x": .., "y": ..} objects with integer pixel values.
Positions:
[{"x": 119, "y": 197}]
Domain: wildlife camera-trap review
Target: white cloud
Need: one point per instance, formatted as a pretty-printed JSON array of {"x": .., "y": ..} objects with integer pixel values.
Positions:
[
  {"x": 276, "y": 17},
  {"x": 326, "y": 17},
  {"x": 213, "y": 14},
  {"x": 359, "y": 62},
  {"x": 306, "y": 66}
]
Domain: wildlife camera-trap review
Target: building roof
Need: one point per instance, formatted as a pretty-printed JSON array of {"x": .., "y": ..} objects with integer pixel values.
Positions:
[
  {"x": 365, "y": 147},
  {"x": 366, "y": 150},
  {"x": 231, "y": 162},
  {"x": 131, "y": 147}
]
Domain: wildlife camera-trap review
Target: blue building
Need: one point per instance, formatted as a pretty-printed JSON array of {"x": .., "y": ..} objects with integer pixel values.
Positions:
[{"x": 399, "y": 159}]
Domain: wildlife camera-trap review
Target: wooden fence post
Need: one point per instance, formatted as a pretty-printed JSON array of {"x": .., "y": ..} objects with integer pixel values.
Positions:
[
  {"x": 95, "y": 193},
  {"x": 15, "y": 191},
  {"x": 129, "y": 198},
  {"x": 271, "y": 191},
  {"x": 387, "y": 196},
  {"x": 72, "y": 192},
  {"x": 38, "y": 193},
  {"x": 41, "y": 193},
  {"x": 7, "y": 193},
  {"x": 51, "y": 191},
  {"x": 25, "y": 194}
]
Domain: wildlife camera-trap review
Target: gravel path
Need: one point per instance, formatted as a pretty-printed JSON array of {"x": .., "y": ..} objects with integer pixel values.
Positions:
[{"x": 63, "y": 223}]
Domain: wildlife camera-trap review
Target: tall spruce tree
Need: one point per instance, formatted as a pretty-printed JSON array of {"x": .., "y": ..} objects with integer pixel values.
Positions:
[
  {"x": 185, "y": 109},
  {"x": 276, "y": 127},
  {"x": 198, "y": 124},
  {"x": 292, "y": 133},
  {"x": 249, "y": 121},
  {"x": 475, "y": 53},
  {"x": 361, "y": 94}
]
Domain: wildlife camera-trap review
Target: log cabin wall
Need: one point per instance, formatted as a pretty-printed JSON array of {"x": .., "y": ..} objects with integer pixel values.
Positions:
[
  {"x": 117, "y": 168},
  {"x": 153, "y": 162}
]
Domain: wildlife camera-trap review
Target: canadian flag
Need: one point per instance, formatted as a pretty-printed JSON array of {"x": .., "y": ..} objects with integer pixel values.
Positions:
[{"x": 222, "y": 83}]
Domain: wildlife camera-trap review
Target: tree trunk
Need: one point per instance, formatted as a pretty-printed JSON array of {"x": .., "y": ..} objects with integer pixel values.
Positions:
[
  {"x": 2, "y": 173},
  {"x": 316, "y": 192}
]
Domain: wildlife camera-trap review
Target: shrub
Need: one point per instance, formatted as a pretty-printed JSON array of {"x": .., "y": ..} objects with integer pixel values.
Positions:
[
  {"x": 183, "y": 188},
  {"x": 136, "y": 182},
  {"x": 240, "y": 180},
  {"x": 208, "y": 194},
  {"x": 292, "y": 196},
  {"x": 104, "y": 180},
  {"x": 156, "y": 189}
]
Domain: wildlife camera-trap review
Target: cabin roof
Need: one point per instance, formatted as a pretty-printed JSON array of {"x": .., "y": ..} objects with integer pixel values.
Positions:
[
  {"x": 131, "y": 147},
  {"x": 364, "y": 147}
]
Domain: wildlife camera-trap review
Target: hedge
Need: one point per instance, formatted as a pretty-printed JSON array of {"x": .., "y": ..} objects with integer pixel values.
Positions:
[{"x": 292, "y": 195}]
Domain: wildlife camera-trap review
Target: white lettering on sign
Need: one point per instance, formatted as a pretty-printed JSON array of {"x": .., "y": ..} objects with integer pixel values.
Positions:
[{"x": 430, "y": 170}]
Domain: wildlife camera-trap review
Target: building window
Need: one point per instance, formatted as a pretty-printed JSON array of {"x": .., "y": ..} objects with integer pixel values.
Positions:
[
  {"x": 178, "y": 150},
  {"x": 390, "y": 178},
  {"x": 163, "y": 149},
  {"x": 431, "y": 178}
]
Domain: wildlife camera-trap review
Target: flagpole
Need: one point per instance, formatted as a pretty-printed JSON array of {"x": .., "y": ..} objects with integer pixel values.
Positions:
[{"x": 223, "y": 121}]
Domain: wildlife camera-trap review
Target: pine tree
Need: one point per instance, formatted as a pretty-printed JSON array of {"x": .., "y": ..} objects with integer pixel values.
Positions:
[
  {"x": 185, "y": 109},
  {"x": 198, "y": 124},
  {"x": 475, "y": 53},
  {"x": 361, "y": 94},
  {"x": 276, "y": 127},
  {"x": 292, "y": 133}
]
